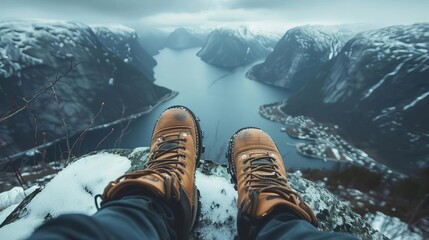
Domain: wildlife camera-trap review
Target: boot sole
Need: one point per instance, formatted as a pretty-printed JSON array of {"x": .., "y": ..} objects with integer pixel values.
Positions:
[{"x": 231, "y": 168}]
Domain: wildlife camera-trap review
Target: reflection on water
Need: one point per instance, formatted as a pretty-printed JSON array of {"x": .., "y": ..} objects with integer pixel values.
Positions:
[{"x": 224, "y": 100}]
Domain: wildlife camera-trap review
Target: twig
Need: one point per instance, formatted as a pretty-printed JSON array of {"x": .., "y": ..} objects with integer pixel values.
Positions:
[
  {"x": 102, "y": 140},
  {"x": 62, "y": 118},
  {"x": 35, "y": 141},
  {"x": 123, "y": 129},
  {"x": 29, "y": 101},
  {"x": 82, "y": 135},
  {"x": 43, "y": 162}
]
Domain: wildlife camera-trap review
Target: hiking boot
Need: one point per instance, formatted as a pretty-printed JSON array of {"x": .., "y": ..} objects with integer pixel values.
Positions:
[
  {"x": 175, "y": 151},
  {"x": 259, "y": 175}
]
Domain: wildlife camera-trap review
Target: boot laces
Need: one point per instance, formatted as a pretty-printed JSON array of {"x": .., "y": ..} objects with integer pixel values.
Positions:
[
  {"x": 264, "y": 176},
  {"x": 165, "y": 158}
]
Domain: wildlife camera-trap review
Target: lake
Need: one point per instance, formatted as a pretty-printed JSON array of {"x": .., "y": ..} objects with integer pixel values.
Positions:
[{"x": 224, "y": 100}]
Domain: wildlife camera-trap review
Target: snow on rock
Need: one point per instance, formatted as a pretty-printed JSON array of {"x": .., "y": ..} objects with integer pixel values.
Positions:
[
  {"x": 71, "y": 191},
  {"x": 300, "y": 55},
  {"x": 14, "y": 196},
  {"x": 218, "y": 198},
  {"x": 213, "y": 189},
  {"x": 231, "y": 48},
  {"x": 381, "y": 55},
  {"x": 392, "y": 227},
  {"x": 124, "y": 42},
  {"x": 377, "y": 89},
  {"x": 6, "y": 212}
]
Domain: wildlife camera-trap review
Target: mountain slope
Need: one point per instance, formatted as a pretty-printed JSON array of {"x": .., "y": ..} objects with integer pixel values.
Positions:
[
  {"x": 124, "y": 42},
  {"x": 33, "y": 53},
  {"x": 377, "y": 89},
  {"x": 231, "y": 48},
  {"x": 299, "y": 56},
  {"x": 152, "y": 39},
  {"x": 182, "y": 38}
]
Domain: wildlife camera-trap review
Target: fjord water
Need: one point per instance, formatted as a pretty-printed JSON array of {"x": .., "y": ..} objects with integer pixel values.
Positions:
[{"x": 224, "y": 100}]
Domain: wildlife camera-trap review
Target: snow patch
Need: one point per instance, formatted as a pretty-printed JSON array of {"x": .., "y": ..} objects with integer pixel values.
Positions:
[
  {"x": 71, "y": 191},
  {"x": 392, "y": 227},
  {"x": 419, "y": 98},
  {"x": 212, "y": 189},
  {"x": 14, "y": 196}
]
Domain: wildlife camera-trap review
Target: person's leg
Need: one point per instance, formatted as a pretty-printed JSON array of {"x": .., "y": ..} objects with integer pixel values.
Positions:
[
  {"x": 158, "y": 202},
  {"x": 267, "y": 206},
  {"x": 132, "y": 217},
  {"x": 286, "y": 225}
]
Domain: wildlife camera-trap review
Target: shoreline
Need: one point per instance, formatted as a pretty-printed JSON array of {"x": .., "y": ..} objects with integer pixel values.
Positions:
[
  {"x": 36, "y": 150},
  {"x": 323, "y": 140}
]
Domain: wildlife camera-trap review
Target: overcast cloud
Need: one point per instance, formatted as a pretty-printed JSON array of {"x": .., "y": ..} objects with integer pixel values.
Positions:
[{"x": 256, "y": 13}]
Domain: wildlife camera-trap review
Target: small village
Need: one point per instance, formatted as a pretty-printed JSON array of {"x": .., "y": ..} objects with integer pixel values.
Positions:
[{"x": 322, "y": 141}]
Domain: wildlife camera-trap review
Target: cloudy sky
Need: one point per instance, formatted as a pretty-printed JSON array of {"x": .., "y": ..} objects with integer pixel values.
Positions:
[{"x": 254, "y": 13}]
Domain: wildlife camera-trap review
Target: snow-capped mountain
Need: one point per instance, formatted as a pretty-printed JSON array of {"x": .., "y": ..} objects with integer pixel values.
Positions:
[
  {"x": 182, "y": 38},
  {"x": 124, "y": 42},
  {"x": 377, "y": 89},
  {"x": 152, "y": 39},
  {"x": 300, "y": 55},
  {"x": 32, "y": 56},
  {"x": 231, "y": 48}
]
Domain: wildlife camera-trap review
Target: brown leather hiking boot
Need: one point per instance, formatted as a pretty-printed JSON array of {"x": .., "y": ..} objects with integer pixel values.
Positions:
[
  {"x": 175, "y": 150},
  {"x": 259, "y": 175}
]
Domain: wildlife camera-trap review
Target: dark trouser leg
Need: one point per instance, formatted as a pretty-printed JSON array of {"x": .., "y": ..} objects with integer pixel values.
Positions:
[
  {"x": 288, "y": 226},
  {"x": 133, "y": 217}
]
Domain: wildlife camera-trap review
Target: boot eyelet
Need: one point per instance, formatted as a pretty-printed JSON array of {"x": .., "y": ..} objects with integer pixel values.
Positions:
[{"x": 184, "y": 134}]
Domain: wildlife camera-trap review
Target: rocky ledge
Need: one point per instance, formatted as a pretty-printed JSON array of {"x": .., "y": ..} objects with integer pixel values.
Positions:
[{"x": 218, "y": 198}]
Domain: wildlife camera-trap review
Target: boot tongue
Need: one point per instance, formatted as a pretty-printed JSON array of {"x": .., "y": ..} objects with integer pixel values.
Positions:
[
  {"x": 262, "y": 161},
  {"x": 168, "y": 146},
  {"x": 266, "y": 162}
]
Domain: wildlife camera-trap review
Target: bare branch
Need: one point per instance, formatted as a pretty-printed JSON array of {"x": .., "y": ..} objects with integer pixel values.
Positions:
[
  {"x": 60, "y": 111},
  {"x": 28, "y": 101},
  {"x": 35, "y": 140},
  {"x": 123, "y": 129},
  {"x": 102, "y": 140},
  {"x": 82, "y": 135}
]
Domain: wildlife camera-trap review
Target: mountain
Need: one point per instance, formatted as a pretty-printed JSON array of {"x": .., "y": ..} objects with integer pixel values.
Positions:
[
  {"x": 124, "y": 43},
  {"x": 32, "y": 56},
  {"x": 231, "y": 48},
  {"x": 152, "y": 39},
  {"x": 182, "y": 38},
  {"x": 218, "y": 198},
  {"x": 377, "y": 90},
  {"x": 300, "y": 55}
]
